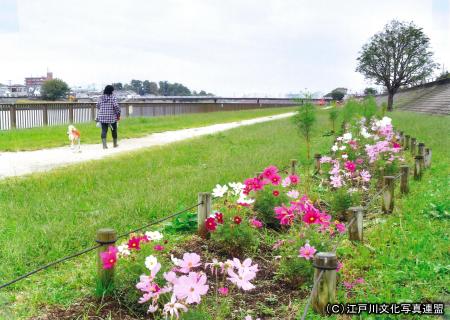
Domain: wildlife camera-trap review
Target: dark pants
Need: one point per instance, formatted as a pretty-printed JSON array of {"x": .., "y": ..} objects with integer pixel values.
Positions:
[{"x": 113, "y": 129}]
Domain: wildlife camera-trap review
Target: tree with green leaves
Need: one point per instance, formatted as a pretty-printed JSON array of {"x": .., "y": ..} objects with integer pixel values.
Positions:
[
  {"x": 333, "y": 115},
  {"x": 54, "y": 89},
  {"x": 337, "y": 94},
  {"x": 304, "y": 120},
  {"x": 369, "y": 91},
  {"x": 397, "y": 56}
]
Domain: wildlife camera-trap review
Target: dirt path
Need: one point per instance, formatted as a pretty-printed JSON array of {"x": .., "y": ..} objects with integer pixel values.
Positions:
[{"x": 26, "y": 162}]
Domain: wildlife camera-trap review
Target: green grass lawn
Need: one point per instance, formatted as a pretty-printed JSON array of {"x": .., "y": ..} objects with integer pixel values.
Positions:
[
  {"x": 48, "y": 215},
  {"x": 55, "y": 136}
]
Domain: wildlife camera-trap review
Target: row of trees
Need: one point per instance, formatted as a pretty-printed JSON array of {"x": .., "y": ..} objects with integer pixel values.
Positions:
[{"x": 163, "y": 88}]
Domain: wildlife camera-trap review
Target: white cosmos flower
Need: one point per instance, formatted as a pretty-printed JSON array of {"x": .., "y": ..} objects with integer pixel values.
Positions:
[
  {"x": 342, "y": 148},
  {"x": 347, "y": 136},
  {"x": 237, "y": 187},
  {"x": 153, "y": 235},
  {"x": 123, "y": 250},
  {"x": 244, "y": 200},
  {"x": 334, "y": 148},
  {"x": 219, "y": 190},
  {"x": 364, "y": 133},
  {"x": 344, "y": 156},
  {"x": 294, "y": 194},
  {"x": 172, "y": 308},
  {"x": 151, "y": 262}
]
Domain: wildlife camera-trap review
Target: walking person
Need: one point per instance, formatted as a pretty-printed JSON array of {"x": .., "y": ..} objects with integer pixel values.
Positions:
[{"x": 108, "y": 114}]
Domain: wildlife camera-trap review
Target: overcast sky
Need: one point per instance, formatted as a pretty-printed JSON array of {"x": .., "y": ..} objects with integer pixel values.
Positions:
[{"x": 233, "y": 47}]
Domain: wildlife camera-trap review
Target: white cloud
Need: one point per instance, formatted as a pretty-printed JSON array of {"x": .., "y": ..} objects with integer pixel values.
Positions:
[{"x": 226, "y": 47}]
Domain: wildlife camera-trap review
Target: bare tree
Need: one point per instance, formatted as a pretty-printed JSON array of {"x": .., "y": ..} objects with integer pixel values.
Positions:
[{"x": 397, "y": 56}]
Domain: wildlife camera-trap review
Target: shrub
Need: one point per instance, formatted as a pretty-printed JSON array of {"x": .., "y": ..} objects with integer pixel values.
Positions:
[
  {"x": 369, "y": 108},
  {"x": 333, "y": 115},
  {"x": 265, "y": 203},
  {"x": 235, "y": 239}
]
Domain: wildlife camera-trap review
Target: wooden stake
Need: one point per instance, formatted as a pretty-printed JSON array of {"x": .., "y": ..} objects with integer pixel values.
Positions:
[
  {"x": 406, "y": 144},
  {"x": 355, "y": 230},
  {"x": 380, "y": 178},
  {"x": 421, "y": 149},
  {"x": 388, "y": 194},
  {"x": 404, "y": 188},
  {"x": 413, "y": 147},
  {"x": 106, "y": 237},
  {"x": 203, "y": 212},
  {"x": 293, "y": 166},
  {"x": 417, "y": 167},
  {"x": 317, "y": 157},
  {"x": 401, "y": 137},
  {"x": 325, "y": 290},
  {"x": 427, "y": 157}
]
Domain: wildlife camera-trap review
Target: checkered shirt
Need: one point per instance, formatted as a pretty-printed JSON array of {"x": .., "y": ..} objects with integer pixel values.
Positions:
[{"x": 108, "y": 110}]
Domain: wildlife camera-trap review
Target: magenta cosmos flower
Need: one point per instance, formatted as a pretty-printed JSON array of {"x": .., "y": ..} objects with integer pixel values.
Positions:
[
  {"x": 269, "y": 172},
  {"x": 350, "y": 166},
  {"x": 109, "y": 257},
  {"x": 191, "y": 287},
  {"x": 210, "y": 224},
  {"x": 307, "y": 251},
  {"x": 134, "y": 243},
  {"x": 294, "y": 179},
  {"x": 312, "y": 216}
]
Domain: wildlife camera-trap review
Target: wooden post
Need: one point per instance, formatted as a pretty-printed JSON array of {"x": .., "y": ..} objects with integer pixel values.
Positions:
[
  {"x": 401, "y": 137},
  {"x": 71, "y": 113},
  {"x": 203, "y": 212},
  {"x": 404, "y": 188},
  {"x": 388, "y": 194},
  {"x": 355, "y": 230},
  {"x": 45, "y": 115},
  {"x": 325, "y": 290},
  {"x": 317, "y": 157},
  {"x": 421, "y": 149},
  {"x": 380, "y": 178},
  {"x": 427, "y": 157},
  {"x": 13, "y": 116},
  {"x": 406, "y": 144},
  {"x": 418, "y": 167},
  {"x": 127, "y": 110},
  {"x": 293, "y": 166},
  {"x": 413, "y": 147},
  {"x": 106, "y": 237},
  {"x": 93, "y": 112}
]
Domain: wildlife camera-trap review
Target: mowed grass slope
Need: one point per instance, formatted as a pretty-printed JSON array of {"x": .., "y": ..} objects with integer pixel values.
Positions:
[
  {"x": 405, "y": 256},
  {"x": 55, "y": 136},
  {"x": 47, "y": 216}
]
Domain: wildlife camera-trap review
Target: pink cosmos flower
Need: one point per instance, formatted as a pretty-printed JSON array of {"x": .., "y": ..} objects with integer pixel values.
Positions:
[
  {"x": 276, "y": 193},
  {"x": 223, "y": 291},
  {"x": 191, "y": 287},
  {"x": 359, "y": 161},
  {"x": 109, "y": 257},
  {"x": 284, "y": 214},
  {"x": 256, "y": 223},
  {"x": 307, "y": 251},
  {"x": 359, "y": 281},
  {"x": 294, "y": 179},
  {"x": 350, "y": 166},
  {"x": 158, "y": 247},
  {"x": 246, "y": 264},
  {"x": 348, "y": 285},
  {"x": 335, "y": 169},
  {"x": 269, "y": 172},
  {"x": 275, "y": 179},
  {"x": 293, "y": 194},
  {"x": 286, "y": 182},
  {"x": 340, "y": 265},
  {"x": 219, "y": 217},
  {"x": 278, "y": 244},
  {"x": 190, "y": 260},
  {"x": 365, "y": 175},
  {"x": 242, "y": 278},
  {"x": 395, "y": 145},
  {"x": 325, "y": 159},
  {"x": 336, "y": 181},
  {"x": 340, "y": 226}
]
